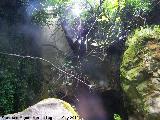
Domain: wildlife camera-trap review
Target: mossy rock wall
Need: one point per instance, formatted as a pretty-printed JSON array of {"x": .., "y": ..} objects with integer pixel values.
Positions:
[{"x": 140, "y": 74}]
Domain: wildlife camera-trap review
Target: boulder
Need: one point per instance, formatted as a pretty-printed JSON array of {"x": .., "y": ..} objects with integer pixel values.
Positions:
[
  {"x": 140, "y": 74},
  {"x": 51, "y": 109}
]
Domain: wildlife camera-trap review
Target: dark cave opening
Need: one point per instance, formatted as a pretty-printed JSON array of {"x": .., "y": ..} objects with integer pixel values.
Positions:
[{"x": 110, "y": 101}]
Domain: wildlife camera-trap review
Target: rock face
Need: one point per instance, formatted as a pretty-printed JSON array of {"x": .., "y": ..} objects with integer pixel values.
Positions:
[
  {"x": 53, "y": 41},
  {"x": 140, "y": 74},
  {"x": 51, "y": 109},
  {"x": 54, "y": 48}
]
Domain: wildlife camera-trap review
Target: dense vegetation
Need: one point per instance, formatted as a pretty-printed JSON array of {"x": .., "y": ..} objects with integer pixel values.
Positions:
[
  {"x": 18, "y": 76},
  {"x": 98, "y": 25}
]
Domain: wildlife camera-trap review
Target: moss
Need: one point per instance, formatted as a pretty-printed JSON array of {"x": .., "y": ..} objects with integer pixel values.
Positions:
[
  {"x": 70, "y": 109},
  {"x": 142, "y": 88},
  {"x": 139, "y": 63},
  {"x": 131, "y": 74},
  {"x": 135, "y": 51}
]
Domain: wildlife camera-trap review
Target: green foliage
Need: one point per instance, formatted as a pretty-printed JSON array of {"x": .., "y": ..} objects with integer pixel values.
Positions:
[
  {"x": 117, "y": 117},
  {"x": 57, "y": 2},
  {"x": 111, "y": 17},
  {"x": 111, "y": 7},
  {"x": 40, "y": 18},
  {"x": 143, "y": 5},
  {"x": 117, "y": 18},
  {"x": 134, "y": 14},
  {"x": 18, "y": 85},
  {"x": 7, "y": 92}
]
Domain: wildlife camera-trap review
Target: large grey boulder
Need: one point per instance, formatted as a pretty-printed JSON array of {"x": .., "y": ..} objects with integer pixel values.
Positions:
[{"x": 51, "y": 109}]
